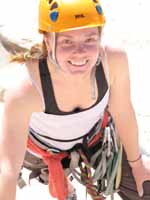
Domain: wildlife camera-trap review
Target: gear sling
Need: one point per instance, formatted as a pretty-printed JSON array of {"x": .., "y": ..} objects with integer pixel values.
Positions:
[{"x": 100, "y": 151}]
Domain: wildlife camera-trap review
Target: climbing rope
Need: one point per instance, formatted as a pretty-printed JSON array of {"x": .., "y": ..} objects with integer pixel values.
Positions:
[
  {"x": 87, "y": 178},
  {"x": 102, "y": 173}
]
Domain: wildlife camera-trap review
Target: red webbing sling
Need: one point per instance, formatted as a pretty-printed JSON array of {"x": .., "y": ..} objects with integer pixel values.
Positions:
[
  {"x": 58, "y": 187},
  {"x": 98, "y": 135}
]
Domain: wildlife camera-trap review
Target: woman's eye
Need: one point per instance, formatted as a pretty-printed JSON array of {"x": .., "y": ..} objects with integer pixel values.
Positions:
[
  {"x": 67, "y": 42},
  {"x": 91, "y": 40}
]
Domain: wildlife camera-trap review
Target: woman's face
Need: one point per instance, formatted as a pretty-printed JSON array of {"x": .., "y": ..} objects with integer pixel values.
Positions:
[{"x": 77, "y": 51}]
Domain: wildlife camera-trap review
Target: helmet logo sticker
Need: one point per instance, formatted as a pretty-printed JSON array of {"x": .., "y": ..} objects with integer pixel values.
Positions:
[
  {"x": 79, "y": 16},
  {"x": 99, "y": 9},
  {"x": 53, "y": 10},
  {"x": 54, "y": 16}
]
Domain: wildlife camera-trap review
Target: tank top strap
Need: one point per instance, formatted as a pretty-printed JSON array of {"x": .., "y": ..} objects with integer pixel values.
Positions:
[
  {"x": 48, "y": 91},
  {"x": 101, "y": 81},
  {"x": 46, "y": 84}
]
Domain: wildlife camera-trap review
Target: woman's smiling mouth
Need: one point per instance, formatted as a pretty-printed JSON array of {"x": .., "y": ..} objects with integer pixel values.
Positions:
[{"x": 78, "y": 63}]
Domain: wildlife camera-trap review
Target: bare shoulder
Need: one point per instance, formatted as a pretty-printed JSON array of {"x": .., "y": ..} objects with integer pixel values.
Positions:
[
  {"x": 116, "y": 56},
  {"x": 33, "y": 70},
  {"x": 117, "y": 62},
  {"x": 32, "y": 65},
  {"x": 23, "y": 98}
]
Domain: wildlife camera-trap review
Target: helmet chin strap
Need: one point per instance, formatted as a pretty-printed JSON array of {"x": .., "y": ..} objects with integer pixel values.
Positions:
[{"x": 52, "y": 56}]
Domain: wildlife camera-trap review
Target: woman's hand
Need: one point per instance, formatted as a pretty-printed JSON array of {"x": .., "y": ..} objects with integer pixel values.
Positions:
[{"x": 141, "y": 172}]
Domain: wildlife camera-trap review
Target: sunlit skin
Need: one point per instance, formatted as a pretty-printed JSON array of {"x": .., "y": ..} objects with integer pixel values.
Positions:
[{"x": 77, "y": 51}]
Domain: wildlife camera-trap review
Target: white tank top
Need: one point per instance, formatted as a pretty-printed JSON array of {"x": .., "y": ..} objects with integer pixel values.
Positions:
[
  {"x": 51, "y": 128},
  {"x": 62, "y": 132}
]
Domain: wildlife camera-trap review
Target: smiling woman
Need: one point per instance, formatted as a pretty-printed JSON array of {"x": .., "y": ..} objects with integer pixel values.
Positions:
[
  {"x": 78, "y": 50},
  {"x": 76, "y": 110}
]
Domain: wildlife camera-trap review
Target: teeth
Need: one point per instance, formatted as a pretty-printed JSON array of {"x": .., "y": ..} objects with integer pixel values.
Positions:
[{"x": 78, "y": 63}]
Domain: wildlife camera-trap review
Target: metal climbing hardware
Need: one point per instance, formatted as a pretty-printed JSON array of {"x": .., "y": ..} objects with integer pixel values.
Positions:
[{"x": 101, "y": 175}]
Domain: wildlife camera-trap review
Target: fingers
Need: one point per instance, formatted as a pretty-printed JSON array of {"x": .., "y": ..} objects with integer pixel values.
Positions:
[
  {"x": 139, "y": 184},
  {"x": 140, "y": 189},
  {"x": 141, "y": 173}
]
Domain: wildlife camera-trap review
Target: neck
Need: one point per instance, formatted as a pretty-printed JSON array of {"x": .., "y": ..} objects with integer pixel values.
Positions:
[{"x": 75, "y": 77}]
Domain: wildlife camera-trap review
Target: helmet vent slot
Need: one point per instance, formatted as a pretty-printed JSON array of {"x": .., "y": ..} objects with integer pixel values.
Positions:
[
  {"x": 50, "y": 1},
  {"x": 99, "y": 9},
  {"x": 54, "y": 16},
  {"x": 95, "y": 1},
  {"x": 54, "y": 5}
]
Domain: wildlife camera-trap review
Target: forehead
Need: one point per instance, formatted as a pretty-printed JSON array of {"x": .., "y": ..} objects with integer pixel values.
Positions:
[{"x": 84, "y": 32}]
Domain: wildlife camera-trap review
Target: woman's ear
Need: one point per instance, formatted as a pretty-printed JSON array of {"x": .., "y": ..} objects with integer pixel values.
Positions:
[{"x": 47, "y": 40}]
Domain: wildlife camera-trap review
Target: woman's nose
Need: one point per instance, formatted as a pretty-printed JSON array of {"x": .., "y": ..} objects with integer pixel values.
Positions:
[{"x": 79, "y": 48}]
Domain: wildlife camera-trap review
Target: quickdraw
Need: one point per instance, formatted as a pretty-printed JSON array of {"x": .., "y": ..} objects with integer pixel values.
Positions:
[{"x": 105, "y": 162}]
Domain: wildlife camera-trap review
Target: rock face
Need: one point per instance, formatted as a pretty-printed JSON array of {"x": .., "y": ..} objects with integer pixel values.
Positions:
[{"x": 11, "y": 46}]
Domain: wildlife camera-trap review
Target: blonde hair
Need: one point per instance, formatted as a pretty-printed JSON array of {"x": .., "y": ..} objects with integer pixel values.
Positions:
[
  {"x": 36, "y": 52},
  {"x": 22, "y": 54}
]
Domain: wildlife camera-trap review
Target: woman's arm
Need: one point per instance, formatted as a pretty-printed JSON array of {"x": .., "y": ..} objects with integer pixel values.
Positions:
[
  {"x": 120, "y": 104},
  {"x": 123, "y": 114},
  {"x": 13, "y": 137}
]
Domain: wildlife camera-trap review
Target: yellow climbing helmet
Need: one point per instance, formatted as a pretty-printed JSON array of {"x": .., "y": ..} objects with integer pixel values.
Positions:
[{"x": 63, "y": 15}]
